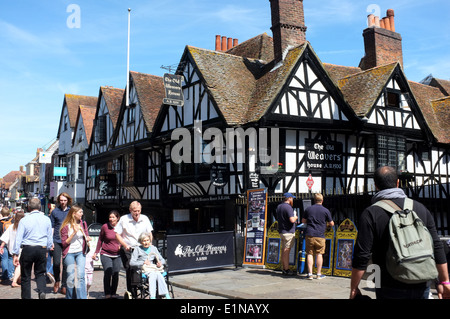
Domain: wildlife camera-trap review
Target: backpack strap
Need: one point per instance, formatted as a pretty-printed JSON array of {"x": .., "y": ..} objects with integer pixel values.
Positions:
[
  {"x": 391, "y": 207},
  {"x": 388, "y": 206}
]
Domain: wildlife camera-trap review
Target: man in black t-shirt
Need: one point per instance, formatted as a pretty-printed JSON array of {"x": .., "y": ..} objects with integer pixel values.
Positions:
[
  {"x": 316, "y": 218},
  {"x": 286, "y": 227}
]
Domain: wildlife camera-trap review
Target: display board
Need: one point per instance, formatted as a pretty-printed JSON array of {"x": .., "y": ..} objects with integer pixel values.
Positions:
[
  {"x": 255, "y": 235},
  {"x": 346, "y": 235}
]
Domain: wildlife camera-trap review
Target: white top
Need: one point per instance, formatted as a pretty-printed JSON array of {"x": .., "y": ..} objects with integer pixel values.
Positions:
[
  {"x": 130, "y": 230},
  {"x": 9, "y": 237},
  {"x": 76, "y": 244}
]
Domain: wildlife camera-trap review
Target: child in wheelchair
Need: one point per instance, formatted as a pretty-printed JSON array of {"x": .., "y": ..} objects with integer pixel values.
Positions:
[{"x": 147, "y": 258}]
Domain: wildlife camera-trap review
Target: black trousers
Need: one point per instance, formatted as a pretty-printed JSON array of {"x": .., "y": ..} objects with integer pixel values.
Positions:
[
  {"x": 126, "y": 257},
  {"x": 57, "y": 257},
  {"x": 33, "y": 256}
]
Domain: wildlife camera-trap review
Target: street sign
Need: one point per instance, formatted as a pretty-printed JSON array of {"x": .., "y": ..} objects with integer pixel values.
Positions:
[
  {"x": 310, "y": 182},
  {"x": 174, "y": 90}
]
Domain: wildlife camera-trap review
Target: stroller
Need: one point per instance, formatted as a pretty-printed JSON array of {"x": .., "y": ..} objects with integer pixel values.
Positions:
[{"x": 140, "y": 285}]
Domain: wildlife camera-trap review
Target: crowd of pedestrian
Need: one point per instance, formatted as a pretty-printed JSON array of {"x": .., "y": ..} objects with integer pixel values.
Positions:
[{"x": 57, "y": 248}]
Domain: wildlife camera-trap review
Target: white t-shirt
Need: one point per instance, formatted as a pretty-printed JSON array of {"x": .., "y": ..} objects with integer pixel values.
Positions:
[
  {"x": 76, "y": 244},
  {"x": 130, "y": 230}
]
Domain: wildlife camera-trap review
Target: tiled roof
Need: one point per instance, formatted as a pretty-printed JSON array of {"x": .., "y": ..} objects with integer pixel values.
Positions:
[
  {"x": 242, "y": 87},
  {"x": 443, "y": 85},
  {"x": 113, "y": 98},
  {"x": 259, "y": 47},
  {"x": 87, "y": 113},
  {"x": 361, "y": 90},
  {"x": 441, "y": 108},
  {"x": 74, "y": 101},
  {"x": 150, "y": 91}
]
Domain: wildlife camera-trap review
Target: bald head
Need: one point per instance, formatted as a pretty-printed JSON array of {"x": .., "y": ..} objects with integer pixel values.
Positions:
[{"x": 386, "y": 177}]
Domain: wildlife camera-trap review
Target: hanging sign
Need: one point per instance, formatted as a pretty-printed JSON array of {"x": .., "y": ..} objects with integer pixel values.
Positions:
[
  {"x": 174, "y": 90},
  {"x": 255, "y": 235}
]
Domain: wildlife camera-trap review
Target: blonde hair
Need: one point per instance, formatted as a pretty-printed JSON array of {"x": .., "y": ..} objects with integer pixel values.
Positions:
[
  {"x": 70, "y": 219},
  {"x": 135, "y": 204},
  {"x": 318, "y": 198}
]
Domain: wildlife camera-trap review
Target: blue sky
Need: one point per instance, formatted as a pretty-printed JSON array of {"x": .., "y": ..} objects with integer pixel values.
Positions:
[{"x": 42, "y": 57}]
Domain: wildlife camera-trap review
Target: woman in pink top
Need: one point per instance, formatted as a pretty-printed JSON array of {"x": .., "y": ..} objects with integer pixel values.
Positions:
[{"x": 109, "y": 247}]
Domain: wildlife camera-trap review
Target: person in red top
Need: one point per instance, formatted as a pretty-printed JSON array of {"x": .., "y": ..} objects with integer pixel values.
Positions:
[{"x": 108, "y": 246}]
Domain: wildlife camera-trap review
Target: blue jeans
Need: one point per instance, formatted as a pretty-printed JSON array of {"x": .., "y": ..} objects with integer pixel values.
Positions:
[
  {"x": 397, "y": 293},
  {"x": 7, "y": 265},
  {"x": 76, "y": 290}
]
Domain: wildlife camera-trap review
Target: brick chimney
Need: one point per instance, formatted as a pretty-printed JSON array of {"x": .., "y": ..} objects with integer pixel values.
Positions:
[
  {"x": 382, "y": 44},
  {"x": 288, "y": 25}
]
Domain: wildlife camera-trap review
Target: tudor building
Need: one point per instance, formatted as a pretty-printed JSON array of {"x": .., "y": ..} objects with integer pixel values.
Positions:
[{"x": 328, "y": 125}]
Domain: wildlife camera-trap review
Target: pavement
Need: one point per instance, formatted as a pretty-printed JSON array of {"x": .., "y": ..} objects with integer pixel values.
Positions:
[
  {"x": 228, "y": 283},
  {"x": 260, "y": 283}
]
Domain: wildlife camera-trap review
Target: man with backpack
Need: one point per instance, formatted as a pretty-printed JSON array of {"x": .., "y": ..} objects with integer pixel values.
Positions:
[{"x": 376, "y": 239}]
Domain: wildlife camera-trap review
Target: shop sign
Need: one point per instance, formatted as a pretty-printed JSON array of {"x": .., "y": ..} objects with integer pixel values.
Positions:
[{"x": 324, "y": 155}]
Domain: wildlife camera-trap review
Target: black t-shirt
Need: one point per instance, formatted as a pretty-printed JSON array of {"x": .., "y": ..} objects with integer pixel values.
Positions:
[{"x": 284, "y": 212}]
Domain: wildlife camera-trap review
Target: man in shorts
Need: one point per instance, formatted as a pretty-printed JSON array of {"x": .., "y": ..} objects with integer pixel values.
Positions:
[
  {"x": 316, "y": 219},
  {"x": 286, "y": 227}
]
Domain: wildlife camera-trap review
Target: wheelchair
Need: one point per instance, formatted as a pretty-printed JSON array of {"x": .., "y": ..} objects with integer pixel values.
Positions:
[{"x": 140, "y": 286}]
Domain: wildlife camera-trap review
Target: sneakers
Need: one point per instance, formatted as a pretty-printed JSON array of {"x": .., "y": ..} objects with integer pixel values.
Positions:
[{"x": 311, "y": 277}]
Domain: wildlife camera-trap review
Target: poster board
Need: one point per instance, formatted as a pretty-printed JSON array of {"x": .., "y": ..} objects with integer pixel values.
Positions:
[
  {"x": 255, "y": 235},
  {"x": 273, "y": 258},
  {"x": 327, "y": 266},
  {"x": 345, "y": 242}
]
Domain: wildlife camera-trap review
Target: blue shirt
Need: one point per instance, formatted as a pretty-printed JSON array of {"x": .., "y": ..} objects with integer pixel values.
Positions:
[
  {"x": 283, "y": 214},
  {"x": 35, "y": 229},
  {"x": 317, "y": 218},
  {"x": 57, "y": 217}
]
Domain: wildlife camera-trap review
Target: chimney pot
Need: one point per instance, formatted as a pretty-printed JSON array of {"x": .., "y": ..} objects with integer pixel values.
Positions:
[
  {"x": 218, "y": 45},
  {"x": 229, "y": 44},
  {"x": 235, "y": 43},
  {"x": 370, "y": 20},
  {"x": 224, "y": 44},
  {"x": 387, "y": 25},
  {"x": 377, "y": 22},
  {"x": 391, "y": 15}
]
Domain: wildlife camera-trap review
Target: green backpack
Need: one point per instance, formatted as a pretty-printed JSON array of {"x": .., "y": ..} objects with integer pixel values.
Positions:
[{"x": 410, "y": 255}]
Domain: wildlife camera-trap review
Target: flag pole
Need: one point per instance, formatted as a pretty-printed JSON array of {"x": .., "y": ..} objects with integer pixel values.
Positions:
[{"x": 128, "y": 61}]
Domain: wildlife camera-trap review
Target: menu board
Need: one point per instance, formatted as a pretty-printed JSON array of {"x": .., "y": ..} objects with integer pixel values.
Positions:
[{"x": 255, "y": 235}]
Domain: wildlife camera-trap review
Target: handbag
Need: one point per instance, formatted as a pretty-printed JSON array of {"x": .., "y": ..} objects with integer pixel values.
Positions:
[
  {"x": 87, "y": 247},
  {"x": 152, "y": 267}
]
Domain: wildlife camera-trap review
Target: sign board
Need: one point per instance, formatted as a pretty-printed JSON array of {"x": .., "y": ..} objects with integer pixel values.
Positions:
[
  {"x": 310, "y": 182},
  {"x": 345, "y": 242},
  {"x": 94, "y": 233},
  {"x": 190, "y": 252},
  {"x": 60, "y": 171},
  {"x": 106, "y": 184},
  {"x": 174, "y": 90},
  {"x": 255, "y": 235},
  {"x": 220, "y": 174},
  {"x": 45, "y": 158},
  {"x": 324, "y": 155}
]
